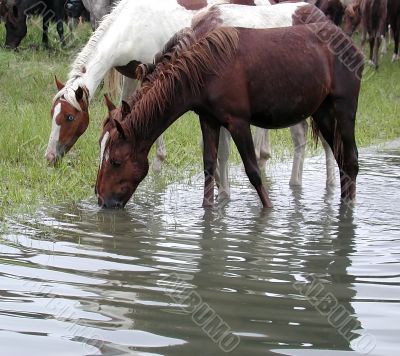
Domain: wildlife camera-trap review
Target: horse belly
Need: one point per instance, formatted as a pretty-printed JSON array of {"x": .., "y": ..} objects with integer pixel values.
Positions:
[{"x": 286, "y": 82}]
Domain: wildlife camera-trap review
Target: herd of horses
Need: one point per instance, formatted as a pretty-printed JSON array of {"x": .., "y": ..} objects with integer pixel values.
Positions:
[{"x": 235, "y": 64}]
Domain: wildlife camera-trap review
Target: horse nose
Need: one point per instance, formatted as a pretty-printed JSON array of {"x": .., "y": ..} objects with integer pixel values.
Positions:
[
  {"x": 110, "y": 203},
  {"x": 51, "y": 158}
]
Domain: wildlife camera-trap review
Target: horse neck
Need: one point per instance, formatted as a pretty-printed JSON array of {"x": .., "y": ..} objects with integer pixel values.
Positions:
[
  {"x": 155, "y": 127},
  {"x": 137, "y": 32}
]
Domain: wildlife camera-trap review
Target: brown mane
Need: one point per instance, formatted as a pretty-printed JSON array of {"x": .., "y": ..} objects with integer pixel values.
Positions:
[{"x": 184, "y": 68}]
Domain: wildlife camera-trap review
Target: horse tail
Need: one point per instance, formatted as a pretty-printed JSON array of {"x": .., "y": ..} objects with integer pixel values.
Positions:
[{"x": 113, "y": 84}]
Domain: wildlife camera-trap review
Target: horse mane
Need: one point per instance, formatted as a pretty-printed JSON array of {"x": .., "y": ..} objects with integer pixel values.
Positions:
[
  {"x": 180, "y": 69},
  {"x": 178, "y": 42},
  {"x": 77, "y": 67}
]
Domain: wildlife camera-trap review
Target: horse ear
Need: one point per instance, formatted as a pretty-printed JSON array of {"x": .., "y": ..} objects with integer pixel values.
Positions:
[
  {"x": 58, "y": 84},
  {"x": 79, "y": 94},
  {"x": 119, "y": 128},
  {"x": 110, "y": 105},
  {"x": 125, "y": 109}
]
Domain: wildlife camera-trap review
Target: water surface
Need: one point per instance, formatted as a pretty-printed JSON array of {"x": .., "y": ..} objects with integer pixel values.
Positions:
[{"x": 310, "y": 277}]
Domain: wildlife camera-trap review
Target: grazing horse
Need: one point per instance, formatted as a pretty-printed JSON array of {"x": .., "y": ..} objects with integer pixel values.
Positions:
[
  {"x": 210, "y": 72},
  {"x": 16, "y": 29},
  {"x": 372, "y": 14},
  {"x": 131, "y": 34},
  {"x": 394, "y": 22}
]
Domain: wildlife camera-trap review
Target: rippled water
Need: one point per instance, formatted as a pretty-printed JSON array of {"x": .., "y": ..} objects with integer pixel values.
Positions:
[{"x": 311, "y": 276}]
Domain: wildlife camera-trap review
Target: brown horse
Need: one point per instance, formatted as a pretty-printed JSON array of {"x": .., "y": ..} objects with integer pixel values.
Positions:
[
  {"x": 214, "y": 75},
  {"x": 372, "y": 14},
  {"x": 394, "y": 22}
]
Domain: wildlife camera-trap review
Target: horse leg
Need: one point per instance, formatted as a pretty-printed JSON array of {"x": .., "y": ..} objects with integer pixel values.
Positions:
[
  {"x": 222, "y": 172},
  {"x": 160, "y": 154},
  {"x": 396, "y": 35},
  {"x": 371, "y": 51},
  {"x": 384, "y": 46},
  {"x": 210, "y": 148},
  {"x": 45, "y": 35},
  {"x": 128, "y": 86},
  {"x": 336, "y": 122},
  {"x": 60, "y": 31},
  {"x": 299, "y": 138},
  {"x": 330, "y": 163},
  {"x": 262, "y": 146},
  {"x": 377, "y": 44},
  {"x": 241, "y": 135},
  {"x": 346, "y": 152}
]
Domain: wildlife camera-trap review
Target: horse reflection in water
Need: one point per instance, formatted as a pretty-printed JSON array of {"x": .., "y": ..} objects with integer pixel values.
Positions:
[{"x": 208, "y": 72}]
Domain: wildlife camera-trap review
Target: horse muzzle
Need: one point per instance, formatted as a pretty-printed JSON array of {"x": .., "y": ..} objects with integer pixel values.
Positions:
[
  {"x": 52, "y": 156},
  {"x": 111, "y": 203}
]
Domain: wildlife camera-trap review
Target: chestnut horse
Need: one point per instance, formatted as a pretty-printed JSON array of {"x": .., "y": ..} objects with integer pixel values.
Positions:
[{"x": 212, "y": 74}]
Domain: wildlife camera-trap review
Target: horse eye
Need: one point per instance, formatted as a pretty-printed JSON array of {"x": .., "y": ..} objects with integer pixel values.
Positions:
[
  {"x": 70, "y": 118},
  {"x": 115, "y": 163}
]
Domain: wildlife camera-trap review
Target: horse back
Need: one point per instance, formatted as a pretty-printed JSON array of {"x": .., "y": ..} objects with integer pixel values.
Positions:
[{"x": 285, "y": 73}]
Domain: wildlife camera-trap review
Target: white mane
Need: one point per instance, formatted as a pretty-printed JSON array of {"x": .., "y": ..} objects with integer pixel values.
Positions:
[
  {"x": 85, "y": 54},
  {"x": 78, "y": 66}
]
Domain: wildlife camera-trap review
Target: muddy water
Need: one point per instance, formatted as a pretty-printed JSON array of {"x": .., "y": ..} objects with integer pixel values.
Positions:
[{"x": 165, "y": 277}]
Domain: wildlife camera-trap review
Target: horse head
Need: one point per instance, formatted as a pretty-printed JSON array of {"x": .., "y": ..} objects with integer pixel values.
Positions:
[
  {"x": 15, "y": 22},
  {"x": 123, "y": 164},
  {"x": 352, "y": 18},
  {"x": 70, "y": 119}
]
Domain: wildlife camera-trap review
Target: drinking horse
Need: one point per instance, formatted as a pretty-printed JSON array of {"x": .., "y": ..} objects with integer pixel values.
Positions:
[{"x": 212, "y": 73}]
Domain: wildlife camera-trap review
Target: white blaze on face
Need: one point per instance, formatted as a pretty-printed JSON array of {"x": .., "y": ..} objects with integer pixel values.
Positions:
[
  {"x": 103, "y": 147},
  {"x": 55, "y": 132}
]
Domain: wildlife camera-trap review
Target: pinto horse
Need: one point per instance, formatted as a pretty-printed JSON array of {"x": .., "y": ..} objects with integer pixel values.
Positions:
[{"x": 211, "y": 73}]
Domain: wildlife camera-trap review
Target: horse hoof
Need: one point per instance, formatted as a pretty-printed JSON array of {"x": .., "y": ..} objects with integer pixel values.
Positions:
[
  {"x": 294, "y": 183},
  {"x": 223, "y": 194}
]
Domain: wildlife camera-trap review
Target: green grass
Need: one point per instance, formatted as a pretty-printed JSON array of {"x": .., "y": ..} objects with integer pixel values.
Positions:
[{"x": 26, "y": 91}]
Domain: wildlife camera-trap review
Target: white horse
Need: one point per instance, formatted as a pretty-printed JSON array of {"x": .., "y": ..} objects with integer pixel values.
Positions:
[{"x": 134, "y": 32}]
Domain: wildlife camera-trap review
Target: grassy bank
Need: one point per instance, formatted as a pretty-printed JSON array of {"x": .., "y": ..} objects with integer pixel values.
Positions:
[{"x": 26, "y": 91}]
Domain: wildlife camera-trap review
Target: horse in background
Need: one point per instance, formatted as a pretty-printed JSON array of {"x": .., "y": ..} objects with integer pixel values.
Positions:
[
  {"x": 16, "y": 16},
  {"x": 372, "y": 15},
  {"x": 393, "y": 14},
  {"x": 98, "y": 9},
  {"x": 210, "y": 76},
  {"x": 333, "y": 9}
]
